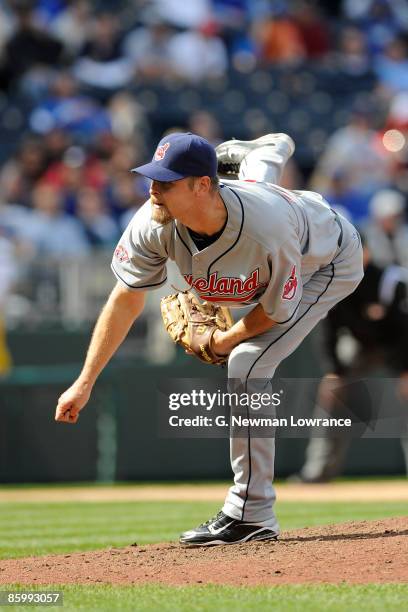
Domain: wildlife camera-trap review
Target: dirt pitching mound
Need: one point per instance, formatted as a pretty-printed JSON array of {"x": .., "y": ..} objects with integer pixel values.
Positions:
[{"x": 355, "y": 552}]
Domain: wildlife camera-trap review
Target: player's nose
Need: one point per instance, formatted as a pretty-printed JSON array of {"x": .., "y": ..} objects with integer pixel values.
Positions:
[{"x": 154, "y": 188}]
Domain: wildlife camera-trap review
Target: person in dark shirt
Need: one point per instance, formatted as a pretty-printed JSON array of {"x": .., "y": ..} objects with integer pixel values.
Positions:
[
  {"x": 372, "y": 324},
  {"x": 28, "y": 48}
]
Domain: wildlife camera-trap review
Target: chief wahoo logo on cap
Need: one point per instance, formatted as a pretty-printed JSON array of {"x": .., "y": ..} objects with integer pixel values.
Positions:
[{"x": 161, "y": 151}]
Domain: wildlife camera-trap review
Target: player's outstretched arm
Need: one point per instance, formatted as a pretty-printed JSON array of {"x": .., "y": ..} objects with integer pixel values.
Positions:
[{"x": 117, "y": 316}]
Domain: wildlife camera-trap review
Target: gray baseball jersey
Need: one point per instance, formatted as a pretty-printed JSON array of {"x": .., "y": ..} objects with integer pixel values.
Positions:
[{"x": 273, "y": 241}]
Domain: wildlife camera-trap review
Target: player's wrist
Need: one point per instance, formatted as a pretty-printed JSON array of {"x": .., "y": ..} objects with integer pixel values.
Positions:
[
  {"x": 86, "y": 381},
  {"x": 221, "y": 343}
]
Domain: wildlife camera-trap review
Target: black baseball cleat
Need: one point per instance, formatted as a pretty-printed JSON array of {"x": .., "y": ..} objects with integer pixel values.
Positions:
[{"x": 223, "y": 529}]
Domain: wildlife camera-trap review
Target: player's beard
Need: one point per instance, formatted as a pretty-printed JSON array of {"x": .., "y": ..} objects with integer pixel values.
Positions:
[{"x": 161, "y": 214}]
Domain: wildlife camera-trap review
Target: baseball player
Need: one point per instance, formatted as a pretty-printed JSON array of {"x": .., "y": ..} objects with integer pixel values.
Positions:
[{"x": 237, "y": 243}]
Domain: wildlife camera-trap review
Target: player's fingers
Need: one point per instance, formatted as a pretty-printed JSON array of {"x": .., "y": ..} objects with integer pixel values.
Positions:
[
  {"x": 63, "y": 413},
  {"x": 68, "y": 417},
  {"x": 73, "y": 414},
  {"x": 59, "y": 414}
]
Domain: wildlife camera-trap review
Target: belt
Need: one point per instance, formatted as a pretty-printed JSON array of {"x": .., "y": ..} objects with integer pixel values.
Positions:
[{"x": 337, "y": 219}]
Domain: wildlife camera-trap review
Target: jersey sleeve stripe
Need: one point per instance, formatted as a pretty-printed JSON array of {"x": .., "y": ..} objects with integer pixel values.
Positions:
[{"x": 136, "y": 287}]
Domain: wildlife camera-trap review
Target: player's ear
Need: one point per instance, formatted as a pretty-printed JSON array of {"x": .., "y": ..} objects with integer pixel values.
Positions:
[{"x": 203, "y": 185}]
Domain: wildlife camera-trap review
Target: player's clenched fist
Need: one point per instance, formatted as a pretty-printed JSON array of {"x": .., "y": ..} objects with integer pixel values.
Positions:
[{"x": 71, "y": 402}]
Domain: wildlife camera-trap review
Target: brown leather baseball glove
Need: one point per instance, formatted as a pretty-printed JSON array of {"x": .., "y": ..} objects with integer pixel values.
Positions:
[{"x": 192, "y": 323}]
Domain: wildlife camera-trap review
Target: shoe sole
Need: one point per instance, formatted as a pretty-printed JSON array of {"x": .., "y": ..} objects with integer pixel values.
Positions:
[
  {"x": 258, "y": 536},
  {"x": 228, "y": 169},
  {"x": 269, "y": 139}
]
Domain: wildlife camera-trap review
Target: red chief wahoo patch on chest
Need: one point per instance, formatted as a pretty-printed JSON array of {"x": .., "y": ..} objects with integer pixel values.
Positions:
[
  {"x": 289, "y": 290},
  {"x": 161, "y": 151},
  {"x": 121, "y": 253}
]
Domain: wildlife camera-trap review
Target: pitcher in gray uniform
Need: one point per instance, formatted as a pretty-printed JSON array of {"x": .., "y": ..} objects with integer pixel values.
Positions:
[{"x": 241, "y": 242}]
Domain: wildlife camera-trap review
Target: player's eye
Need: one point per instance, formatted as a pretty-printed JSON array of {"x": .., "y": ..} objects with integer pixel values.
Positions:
[
  {"x": 163, "y": 185},
  {"x": 166, "y": 185}
]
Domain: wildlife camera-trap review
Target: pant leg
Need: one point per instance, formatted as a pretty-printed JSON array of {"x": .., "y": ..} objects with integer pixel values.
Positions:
[
  {"x": 404, "y": 446},
  {"x": 252, "y": 496},
  {"x": 265, "y": 164},
  {"x": 325, "y": 455}
]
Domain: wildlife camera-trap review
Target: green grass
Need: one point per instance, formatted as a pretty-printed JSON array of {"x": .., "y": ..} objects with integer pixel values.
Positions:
[
  {"x": 211, "y": 598},
  {"x": 41, "y": 528}
]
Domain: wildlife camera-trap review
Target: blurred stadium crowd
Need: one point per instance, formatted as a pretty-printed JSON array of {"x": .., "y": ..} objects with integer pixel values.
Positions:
[{"x": 87, "y": 89}]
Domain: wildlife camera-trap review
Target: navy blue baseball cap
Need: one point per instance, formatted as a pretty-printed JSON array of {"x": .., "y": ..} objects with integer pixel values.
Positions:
[{"x": 179, "y": 155}]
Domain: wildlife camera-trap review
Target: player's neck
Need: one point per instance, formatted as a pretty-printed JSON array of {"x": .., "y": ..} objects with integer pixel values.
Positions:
[{"x": 210, "y": 218}]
